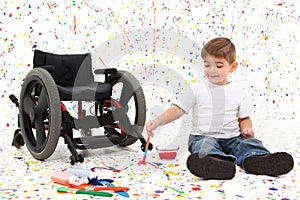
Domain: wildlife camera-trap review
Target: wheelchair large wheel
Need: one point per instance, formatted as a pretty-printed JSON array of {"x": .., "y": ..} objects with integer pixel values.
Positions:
[
  {"x": 40, "y": 113},
  {"x": 128, "y": 92}
]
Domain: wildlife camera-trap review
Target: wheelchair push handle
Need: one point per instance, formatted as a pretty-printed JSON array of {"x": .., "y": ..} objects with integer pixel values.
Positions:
[
  {"x": 14, "y": 99},
  {"x": 106, "y": 71}
]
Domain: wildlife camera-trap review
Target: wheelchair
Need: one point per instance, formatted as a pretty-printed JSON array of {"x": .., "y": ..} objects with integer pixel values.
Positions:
[{"x": 56, "y": 79}]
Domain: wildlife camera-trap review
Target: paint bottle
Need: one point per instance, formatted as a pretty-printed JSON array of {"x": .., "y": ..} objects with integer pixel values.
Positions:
[
  {"x": 93, "y": 173},
  {"x": 80, "y": 172},
  {"x": 68, "y": 179}
]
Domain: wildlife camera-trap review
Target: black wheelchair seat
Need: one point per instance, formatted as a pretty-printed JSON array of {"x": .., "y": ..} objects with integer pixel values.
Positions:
[
  {"x": 85, "y": 93},
  {"x": 73, "y": 76}
]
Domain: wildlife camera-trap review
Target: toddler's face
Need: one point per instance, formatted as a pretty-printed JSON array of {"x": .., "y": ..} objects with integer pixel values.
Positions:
[{"x": 217, "y": 70}]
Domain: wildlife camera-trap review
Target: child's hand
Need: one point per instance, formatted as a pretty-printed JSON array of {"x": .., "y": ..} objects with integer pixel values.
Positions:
[
  {"x": 150, "y": 133},
  {"x": 150, "y": 126},
  {"x": 248, "y": 133}
]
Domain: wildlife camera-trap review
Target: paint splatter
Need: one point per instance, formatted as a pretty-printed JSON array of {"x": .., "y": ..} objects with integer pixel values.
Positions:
[{"x": 266, "y": 34}]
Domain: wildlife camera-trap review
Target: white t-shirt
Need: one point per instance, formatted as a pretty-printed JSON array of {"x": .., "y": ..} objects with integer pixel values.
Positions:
[{"x": 215, "y": 108}]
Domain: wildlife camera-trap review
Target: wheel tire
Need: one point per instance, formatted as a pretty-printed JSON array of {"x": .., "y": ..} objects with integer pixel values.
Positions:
[
  {"x": 132, "y": 86},
  {"x": 40, "y": 113}
]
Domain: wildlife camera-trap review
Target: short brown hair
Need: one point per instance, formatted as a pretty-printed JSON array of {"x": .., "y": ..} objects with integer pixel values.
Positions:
[{"x": 220, "y": 47}]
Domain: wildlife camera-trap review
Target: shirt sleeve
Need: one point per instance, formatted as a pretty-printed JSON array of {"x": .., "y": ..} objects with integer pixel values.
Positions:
[
  {"x": 244, "y": 108},
  {"x": 187, "y": 98}
]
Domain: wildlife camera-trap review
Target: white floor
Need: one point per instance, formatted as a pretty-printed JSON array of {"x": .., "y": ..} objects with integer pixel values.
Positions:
[{"x": 24, "y": 177}]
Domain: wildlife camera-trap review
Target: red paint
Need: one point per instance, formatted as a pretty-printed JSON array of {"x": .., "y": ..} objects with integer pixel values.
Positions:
[
  {"x": 196, "y": 189},
  {"x": 154, "y": 165},
  {"x": 142, "y": 162},
  {"x": 56, "y": 37},
  {"x": 167, "y": 154}
]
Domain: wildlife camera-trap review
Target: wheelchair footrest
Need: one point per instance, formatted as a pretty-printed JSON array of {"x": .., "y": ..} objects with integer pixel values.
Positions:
[{"x": 93, "y": 142}]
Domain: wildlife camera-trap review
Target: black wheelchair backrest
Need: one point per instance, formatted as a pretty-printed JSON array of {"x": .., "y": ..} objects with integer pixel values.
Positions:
[{"x": 66, "y": 70}]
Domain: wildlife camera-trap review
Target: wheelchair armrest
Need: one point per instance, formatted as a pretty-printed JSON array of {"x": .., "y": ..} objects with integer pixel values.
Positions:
[{"x": 106, "y": 71}]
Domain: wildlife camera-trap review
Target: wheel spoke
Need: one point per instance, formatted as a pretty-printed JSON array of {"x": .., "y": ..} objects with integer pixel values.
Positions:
[
  {"x": 28, "y": 104},
  {"x": 42, "y": 104},
  {"x": 40, "y": 132}
]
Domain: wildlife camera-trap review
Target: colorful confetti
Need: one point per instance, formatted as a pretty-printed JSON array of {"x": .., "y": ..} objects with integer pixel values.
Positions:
[{"x": 165, "y": 59}]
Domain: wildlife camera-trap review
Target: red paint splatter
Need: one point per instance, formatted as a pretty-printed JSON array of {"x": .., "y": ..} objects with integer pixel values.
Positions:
[
  {"x": 196, "y": 188},
  {"x": 74, "y": 26},
  {"x": 221, "y": 183},
  {"x": 142, "y": 162},
  {"x": 55, "y": 33}
]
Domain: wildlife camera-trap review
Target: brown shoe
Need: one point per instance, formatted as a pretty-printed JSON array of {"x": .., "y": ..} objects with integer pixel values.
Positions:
[
  {"x": 208, "y": 167},
  {"x": 271, "y": 164}
]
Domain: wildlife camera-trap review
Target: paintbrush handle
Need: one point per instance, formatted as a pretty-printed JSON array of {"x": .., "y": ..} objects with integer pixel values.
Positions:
[
  {"x": 111, "y": 188},
  {"x": 95, "y": 193},
  {"x": 82, "y": 191},
  {"x": 148, "y": 140},
  {"x": 146, "y": 147}
]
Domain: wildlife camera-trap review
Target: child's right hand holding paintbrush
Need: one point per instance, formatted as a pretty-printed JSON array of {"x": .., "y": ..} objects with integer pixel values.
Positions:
[{"x": 150, "y": 126}]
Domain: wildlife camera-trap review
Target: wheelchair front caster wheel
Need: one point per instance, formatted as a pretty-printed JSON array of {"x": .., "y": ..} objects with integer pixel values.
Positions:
[
  {"x": 74, "y": 160},
  {"x": 143, "y": 147},
  {"x": 18, "y": 140}
]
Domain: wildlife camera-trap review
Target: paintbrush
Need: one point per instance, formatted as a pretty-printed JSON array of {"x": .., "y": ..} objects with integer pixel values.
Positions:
[
  {"x": 76, "y": 191},
  {"x": 143, "y": 161},
  {"x": 146, "y": 149},
  {"x": 110, "y": 185},
  {"x": 100, "y": 188}
]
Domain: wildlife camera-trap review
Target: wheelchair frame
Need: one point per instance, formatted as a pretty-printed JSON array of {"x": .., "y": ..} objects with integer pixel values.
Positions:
[{"x": 43, "y": 117}]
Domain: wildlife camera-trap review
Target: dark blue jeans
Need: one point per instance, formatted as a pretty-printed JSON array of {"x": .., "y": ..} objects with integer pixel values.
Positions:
[{"x": 234, "y": 149}]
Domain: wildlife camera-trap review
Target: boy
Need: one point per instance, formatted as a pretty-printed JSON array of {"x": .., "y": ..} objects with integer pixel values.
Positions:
[{"x": 222, "y": 134}]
